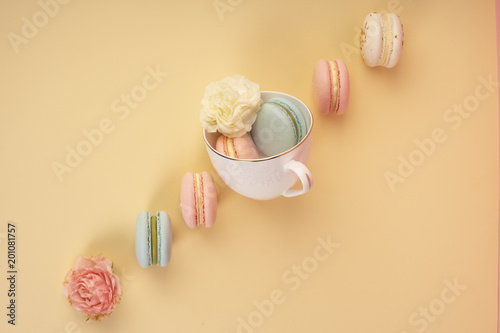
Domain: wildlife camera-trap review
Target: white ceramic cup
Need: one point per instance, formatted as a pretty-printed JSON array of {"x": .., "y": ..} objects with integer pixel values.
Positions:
[{"x": 269, "y": 177}]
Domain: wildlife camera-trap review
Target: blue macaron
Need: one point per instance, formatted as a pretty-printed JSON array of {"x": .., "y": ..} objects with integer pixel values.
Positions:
[
  {"x": 279, "y": 126},
  {"x": 153, "y": 239}
]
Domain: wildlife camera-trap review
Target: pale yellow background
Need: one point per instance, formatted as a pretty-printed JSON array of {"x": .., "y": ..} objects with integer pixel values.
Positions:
[{"x": 396, "y": 247}]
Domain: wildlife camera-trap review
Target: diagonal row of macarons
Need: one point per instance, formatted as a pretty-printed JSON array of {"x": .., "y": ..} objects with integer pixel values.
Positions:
[
  {"x": 279, "y": 126},
  {"x": 153, "y": 232},
  {"x": 381, "y": 42}
]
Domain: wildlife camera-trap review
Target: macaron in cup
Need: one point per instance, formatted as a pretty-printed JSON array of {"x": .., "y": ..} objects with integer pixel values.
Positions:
[
  {"x": 153, "y": 239},
  {"x": 241, "y": 147},
  {"x": 269, "y": 176},
  {"x": 279, "y": 127}
]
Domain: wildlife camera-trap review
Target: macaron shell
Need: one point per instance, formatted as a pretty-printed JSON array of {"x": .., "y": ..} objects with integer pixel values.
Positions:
[
  {"x": 322, "y": 91},
  {"x": 210, "y": 199},
  {"x": 220, "y": 145},
  {"x": 376, "y": 29},
  {"x": 188, "y": 200},
  {"x": 273, "y": 131},
  {"x": 292, "y": 108},
  {"x": 142, "y": 240},
  {"x": 279, "y": 127},
  {"x": 164, "y": 238},
  {"x": 344, "y": 86},
  {"x": 371, "y": 39},
  {"x": 397, "y": 40},
  {"x": 244, "y": 147}
]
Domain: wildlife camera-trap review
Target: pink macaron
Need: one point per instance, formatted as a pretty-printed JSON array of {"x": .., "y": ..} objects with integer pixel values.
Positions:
[
  {"x": 331, "y": 86},
  {"x": 241, "y": 148},
  {"x": 198, "y": 199}
]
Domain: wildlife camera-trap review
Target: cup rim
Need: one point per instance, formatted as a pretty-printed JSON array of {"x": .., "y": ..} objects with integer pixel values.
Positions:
[{"x": 309, "y": 131}]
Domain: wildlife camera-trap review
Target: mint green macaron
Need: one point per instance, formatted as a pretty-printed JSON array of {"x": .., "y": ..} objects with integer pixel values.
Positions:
[
  {"x": 279, "y": 127},
  {"x": 153, "y": 239}
]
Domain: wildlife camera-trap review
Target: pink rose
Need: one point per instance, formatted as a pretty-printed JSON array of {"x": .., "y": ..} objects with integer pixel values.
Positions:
[{"x": 92, "y": 287}]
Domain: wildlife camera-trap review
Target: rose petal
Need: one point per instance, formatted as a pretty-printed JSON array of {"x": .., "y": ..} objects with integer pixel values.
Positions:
[{"x": 82, "y": 262}]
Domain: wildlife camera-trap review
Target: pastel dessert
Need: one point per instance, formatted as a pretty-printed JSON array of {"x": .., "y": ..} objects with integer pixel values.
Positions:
[
  {"x": 153, "y": 239},
  {"x": 198, "y": 199},
  {"x": 331, "y": 86},
  {"x": 240, "y": 148},
  {"x": 381, "y": 40},
  {"x": 279, "y": 127}
]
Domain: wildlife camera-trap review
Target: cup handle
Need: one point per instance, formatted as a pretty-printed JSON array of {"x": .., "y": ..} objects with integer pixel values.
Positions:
[{"x": 304, "y": 175}]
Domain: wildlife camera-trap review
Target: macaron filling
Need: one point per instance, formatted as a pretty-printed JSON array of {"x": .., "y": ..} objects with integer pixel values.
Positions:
[
  {"x": 154, "y": 240},
  {"x": 199, "y": 199},
  {"x": 229, "y": 147},
  {"x": 386, "y": 40},
  {"x": 335, "y": 84},
  {"x": 159, "y": 238}
]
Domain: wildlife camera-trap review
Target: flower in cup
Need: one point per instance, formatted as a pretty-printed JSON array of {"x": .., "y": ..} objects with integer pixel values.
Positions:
[
  {"x": 92, "y": 288},
  {"x": 230, "y": 106}
]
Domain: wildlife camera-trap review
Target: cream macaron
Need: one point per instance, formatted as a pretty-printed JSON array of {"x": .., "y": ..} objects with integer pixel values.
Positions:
[{"x": 381, "y": 40}]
